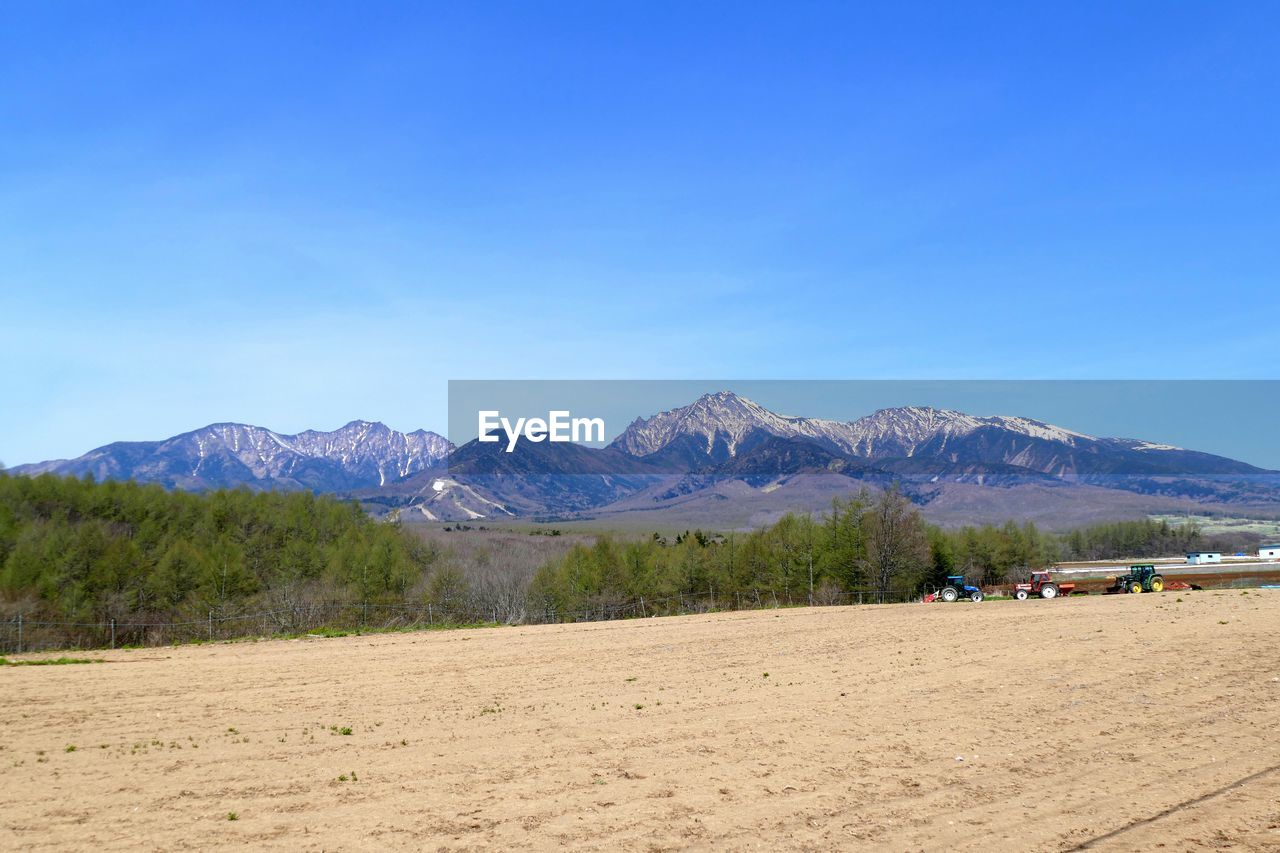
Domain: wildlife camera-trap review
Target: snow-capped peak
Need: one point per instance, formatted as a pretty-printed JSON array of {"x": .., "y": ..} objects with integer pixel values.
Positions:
[
  {"x": 227, "y": 454},
  {"x": 723, "y": 419}
]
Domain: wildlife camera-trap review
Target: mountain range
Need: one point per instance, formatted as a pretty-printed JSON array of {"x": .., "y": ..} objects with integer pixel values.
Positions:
[
  {"x": 725, "y": 459},
  {"x": 721, "y": 460},
  {"x": 226, "y": 455},
  {"x": 719, "y": 423}
]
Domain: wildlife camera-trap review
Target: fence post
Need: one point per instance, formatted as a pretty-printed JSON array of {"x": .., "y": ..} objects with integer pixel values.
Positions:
[
  {"x": 113, "y": 633},
  {"x": 211, "y": 626},
  {"x": 19, "y": 633}
]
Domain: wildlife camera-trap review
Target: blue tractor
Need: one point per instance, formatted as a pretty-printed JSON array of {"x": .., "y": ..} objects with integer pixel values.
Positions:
[{"x": 958, "y": 588}]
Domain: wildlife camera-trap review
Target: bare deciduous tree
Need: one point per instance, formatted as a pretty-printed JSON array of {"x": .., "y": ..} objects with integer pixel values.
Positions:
[{"x": 896, "y": 541}]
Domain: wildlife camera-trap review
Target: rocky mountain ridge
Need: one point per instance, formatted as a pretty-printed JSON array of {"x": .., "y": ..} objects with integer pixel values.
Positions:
[{"x": 356, "y": 455}]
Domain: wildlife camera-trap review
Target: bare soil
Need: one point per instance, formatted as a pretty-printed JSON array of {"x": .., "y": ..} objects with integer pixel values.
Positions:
[{"x": 1120, "y": 722}]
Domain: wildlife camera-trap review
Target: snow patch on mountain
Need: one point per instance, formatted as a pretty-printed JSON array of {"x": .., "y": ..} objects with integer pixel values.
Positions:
[
  {"x": 1140, "y": 445},
  {"x": 447, "y": 499}
]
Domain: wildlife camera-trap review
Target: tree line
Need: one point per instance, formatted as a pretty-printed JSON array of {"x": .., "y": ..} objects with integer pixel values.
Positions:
[
  {"x": 875, "y": 548},
  {"x": 78, "y": 551}
]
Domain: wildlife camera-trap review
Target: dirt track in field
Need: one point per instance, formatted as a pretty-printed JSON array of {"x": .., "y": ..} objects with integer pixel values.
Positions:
[{"x": 1120, "y": 723}]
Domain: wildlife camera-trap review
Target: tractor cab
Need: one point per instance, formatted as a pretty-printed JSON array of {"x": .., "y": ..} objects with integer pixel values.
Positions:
[
  {"x": 958, "y": 587},
  {"x": 1141, "y": 578},
  {"x": 1043, "y": 586}
]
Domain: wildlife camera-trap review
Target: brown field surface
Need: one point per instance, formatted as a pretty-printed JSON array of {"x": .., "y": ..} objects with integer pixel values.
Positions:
[{"x": 1123, "y": 723}]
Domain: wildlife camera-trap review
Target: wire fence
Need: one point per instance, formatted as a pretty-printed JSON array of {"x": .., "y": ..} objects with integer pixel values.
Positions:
[{"x": 31, "y": 632}]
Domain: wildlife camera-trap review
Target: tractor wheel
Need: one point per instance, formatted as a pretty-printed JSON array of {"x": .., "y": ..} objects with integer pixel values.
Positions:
[
  {"x": 1049, "y": 590},
  {"x": 950, "y": 594},
  {"x": 1157, "y": 584},
  {"x": 1021, "y": 595},
  {"x": 1135, "y": 586},
  {"x": 976, "y": 596}
]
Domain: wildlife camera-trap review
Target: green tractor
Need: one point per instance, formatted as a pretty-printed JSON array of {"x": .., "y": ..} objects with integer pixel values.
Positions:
[{"x": 1141, "y": 578}]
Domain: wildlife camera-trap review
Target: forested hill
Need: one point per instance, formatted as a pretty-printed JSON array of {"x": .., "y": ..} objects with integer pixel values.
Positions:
[{"x": 79, "y": 550}]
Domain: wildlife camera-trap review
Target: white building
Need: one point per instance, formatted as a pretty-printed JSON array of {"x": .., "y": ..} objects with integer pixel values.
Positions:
[
  {"x": 1200, "y": 558},
  {"x": 1269, "y": 552}
]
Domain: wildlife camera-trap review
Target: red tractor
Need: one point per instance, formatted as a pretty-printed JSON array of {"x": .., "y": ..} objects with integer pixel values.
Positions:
[{"x": 1043, "y": 585}]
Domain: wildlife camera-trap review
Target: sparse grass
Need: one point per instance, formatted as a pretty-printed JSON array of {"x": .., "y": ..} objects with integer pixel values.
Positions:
[
  {"x": 49, "y": 661},
  {"x": 314, "y": 633},
  {"x": 327, "y": 633},
  {"x": 332, "y": 633},
  {"x": 232, "y": 816},
  {"x": 345, "y": 730},
  {"x": 71, "y": 747}
]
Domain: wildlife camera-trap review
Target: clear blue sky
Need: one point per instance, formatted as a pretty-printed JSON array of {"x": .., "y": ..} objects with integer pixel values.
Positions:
[{"x": 298, "y": 214}]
